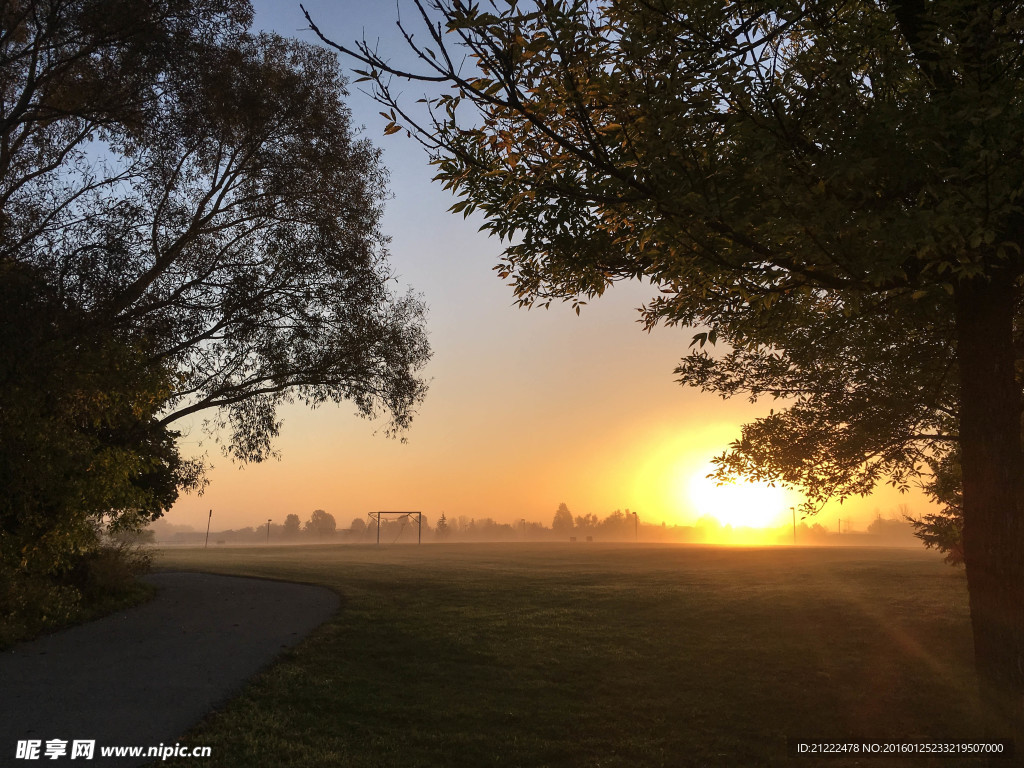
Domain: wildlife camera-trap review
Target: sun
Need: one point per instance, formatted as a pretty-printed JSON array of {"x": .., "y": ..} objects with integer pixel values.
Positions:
[{"x": 741, "y": 505}]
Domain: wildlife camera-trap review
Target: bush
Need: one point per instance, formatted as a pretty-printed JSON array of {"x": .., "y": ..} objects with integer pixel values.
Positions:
[
  {"x": 99, "y": 580},
  {"x": 110, "y": 569}
]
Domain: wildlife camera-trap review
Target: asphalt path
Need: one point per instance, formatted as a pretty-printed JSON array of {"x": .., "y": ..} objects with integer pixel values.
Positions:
[{"x": 143, "y": 676}]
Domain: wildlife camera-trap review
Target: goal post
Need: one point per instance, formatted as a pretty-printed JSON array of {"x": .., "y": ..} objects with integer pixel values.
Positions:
[{"x": 419, "y": 522}]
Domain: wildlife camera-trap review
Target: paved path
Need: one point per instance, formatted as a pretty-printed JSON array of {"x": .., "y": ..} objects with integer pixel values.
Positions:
[{"x": 141, "y": 677}]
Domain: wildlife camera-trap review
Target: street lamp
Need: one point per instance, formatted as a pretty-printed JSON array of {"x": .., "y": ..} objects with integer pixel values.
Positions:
[{"x": 268, "y": 530}]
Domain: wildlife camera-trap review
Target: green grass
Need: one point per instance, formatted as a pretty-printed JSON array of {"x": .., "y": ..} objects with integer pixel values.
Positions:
[{"x": 601, "y": 655}]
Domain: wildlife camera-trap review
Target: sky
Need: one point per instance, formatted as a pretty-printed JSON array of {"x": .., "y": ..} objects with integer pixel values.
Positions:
[{"x": 526, "y": 409}]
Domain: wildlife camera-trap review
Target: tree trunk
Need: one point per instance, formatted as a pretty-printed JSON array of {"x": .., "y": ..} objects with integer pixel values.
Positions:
[{"x": 993, "y": 491}]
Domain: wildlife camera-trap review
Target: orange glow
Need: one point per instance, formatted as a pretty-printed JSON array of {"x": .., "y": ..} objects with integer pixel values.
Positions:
[
  {"x": 525, "y": 410},
  {"x": 741, "y": 505}
]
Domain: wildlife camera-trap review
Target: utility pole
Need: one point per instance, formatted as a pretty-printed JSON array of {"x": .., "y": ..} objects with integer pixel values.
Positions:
[{"x": 208, "y": 520}]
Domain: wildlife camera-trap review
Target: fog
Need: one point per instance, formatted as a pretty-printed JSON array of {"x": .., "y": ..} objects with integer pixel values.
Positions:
[{"x": 620, "y": 526}]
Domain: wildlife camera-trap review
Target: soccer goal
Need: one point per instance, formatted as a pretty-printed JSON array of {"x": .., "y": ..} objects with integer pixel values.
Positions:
[{"x": 409, "y": 517}]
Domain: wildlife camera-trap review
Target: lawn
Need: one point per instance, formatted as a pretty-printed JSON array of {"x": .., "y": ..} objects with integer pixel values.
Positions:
[{"x": 602, "y": 655}]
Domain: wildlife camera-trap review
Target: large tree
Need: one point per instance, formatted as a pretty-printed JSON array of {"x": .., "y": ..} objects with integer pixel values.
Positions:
[
  {"x": 562, "y": 522},
  {"x": 320, "y": 524},
  {"x": 199, "y": 191},
  {"x": 82, "y": 443},
  {"x": 779, "y": 172},
  {"x": 221, "y": 207},
  {"x": 189, "y": 227}
]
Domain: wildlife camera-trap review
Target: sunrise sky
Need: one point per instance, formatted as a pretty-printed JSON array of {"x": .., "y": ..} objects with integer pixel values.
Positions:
[{"x": 526, "y": 409}]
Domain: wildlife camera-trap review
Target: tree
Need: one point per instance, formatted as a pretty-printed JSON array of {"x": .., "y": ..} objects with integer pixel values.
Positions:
[
  {"x": 562, "y": 523},
  {"x": 442, "y": 527},
  {"x": 891, "y": 530},
  {"x": 84, "y": 461},
  {"x": 82, "y": 447},
  {"x": 200, "y": 230},
  {"x": 321, "y": 524},
  {"x": 863, "y": 407},
  {"x": 196, "y": 189},
  {"x": 943, "y": 530},
  {"x": 768, "y": 167},
  {"x": 290, "y": 530},
  {"x": 620, "y": 525},
  {"x": 586, "y": 523}
]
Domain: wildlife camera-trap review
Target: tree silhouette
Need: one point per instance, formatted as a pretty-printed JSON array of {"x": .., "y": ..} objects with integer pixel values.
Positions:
[
  {"x": 82, "y": 446},
  {"x": 562, "y": 522},
  {"x": 196, "y": 191},
  {"x": 200, "y": 230},
  {"x": 290, "y": 530},
  {"x": 320, "y": 525}
]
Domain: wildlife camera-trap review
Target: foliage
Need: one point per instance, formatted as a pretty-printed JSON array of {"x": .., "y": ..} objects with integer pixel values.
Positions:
[
  {"x": 943, "y": 529},
  {"x": 320, "y": 524},
  {"x": 863, "y": 406},
  {"x": 211, "y": 198},
  {"x": 563, "y": 522},
  {"x": 100, "y": 582},
  {"x": 943, "y": 532},
  {"x": 188, "y": 225},
  {"x": 744, "y": 158},
  {"x": 82, "y": 452},
  {"x": 771, "y": 167},
  {"x": 82, "y": 447},
  {"x": 291, "y": 526},
  {"x": 781, "y": 174}
]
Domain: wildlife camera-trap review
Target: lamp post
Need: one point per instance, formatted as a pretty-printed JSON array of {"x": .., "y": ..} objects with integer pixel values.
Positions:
[
  {"x": 268, "y": 530},
  {"x": 793, "y": 510},
  {"x": 208, "y": 521}
]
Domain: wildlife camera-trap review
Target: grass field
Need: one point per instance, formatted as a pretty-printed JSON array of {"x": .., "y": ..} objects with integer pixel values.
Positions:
[{"x": 602, "y": 655}]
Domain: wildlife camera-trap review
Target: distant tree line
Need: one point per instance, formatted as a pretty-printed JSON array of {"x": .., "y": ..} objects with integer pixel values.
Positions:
[{"x": 619, "y": 525}]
